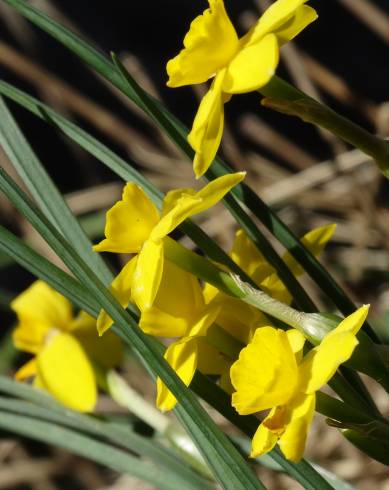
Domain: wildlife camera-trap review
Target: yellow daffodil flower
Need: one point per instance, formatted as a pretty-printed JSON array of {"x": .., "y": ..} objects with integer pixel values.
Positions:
[
  {"x": 271, "y": 373},
  {"x": 179, "y": 311},
  {"x": 64, "y": 347},
  {"x": 212, "y": 49},
  {"x": 134, "y": 225}
]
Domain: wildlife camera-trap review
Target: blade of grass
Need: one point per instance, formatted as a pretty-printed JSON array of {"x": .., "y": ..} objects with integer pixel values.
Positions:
[
  {"x": 85, "y": 446},
  {"x": 102, "y": 65},
  {"x": 223, "y": 459}
]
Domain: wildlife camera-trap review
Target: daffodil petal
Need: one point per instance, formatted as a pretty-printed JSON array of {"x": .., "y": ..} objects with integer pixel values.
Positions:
[
  {"x": 159, "y": 323},
  {"x": 238, "y": 318},
  {"x": 172, "y": 198},
  {"x": 191, "y": 203},
  {"x": 263, "y": 441},
  {"x": 292, "y": 441},
  {"x": 225, "y": 382},
  {"x": 207, "y": 129},
  {"x": 252, "y": 67},
  {"x": 175, "y": 279},
  {"x": 186, "y": 206},
  {"x": 216, "y": 189},
  {"x": 148, "y": 274},
  {"x": 67, "y": 374},
  {"x": 27, "y": 370},
  {"x": 320, "y": 364},
  {"x": 273, "y": 19},
  {"x": 38, "y": 383},
  {"x": 39, "y": 308},
  {"x": 121, "y": 288},
  {"x": 274, "y": 287},
  {"x": 129, "y": 222},
  {"x": 182, "y": 357},
  {"x": 206, "y": 319},
  {"x": 249, "y": 258},
  {"x": 265, "y": 375},
  {"x": 315, "y": 241},
  {"x": 303, "y": 16},
  {"x": 211, "y": 37},
  {"x": 352, "y": 323},
  {"x": 296, "y": 341},
  {"x": 177, "y": 304}
]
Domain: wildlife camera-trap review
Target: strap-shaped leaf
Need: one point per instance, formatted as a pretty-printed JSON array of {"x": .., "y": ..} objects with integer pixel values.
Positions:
[
  {"x": 85, "y": 446},
  {"x": 44, "y": 191},
  {"x": 37, "y": 404}
]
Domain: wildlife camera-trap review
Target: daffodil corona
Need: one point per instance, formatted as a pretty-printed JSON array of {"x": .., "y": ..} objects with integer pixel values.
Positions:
[
  {"x": 65, "y": 348},
  {"x": 271, "y": 373},
  {"x": 213, "y": 49}
]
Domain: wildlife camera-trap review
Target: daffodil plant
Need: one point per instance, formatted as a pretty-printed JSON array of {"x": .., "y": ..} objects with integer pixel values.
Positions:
[{"x": 222, "y": 324}]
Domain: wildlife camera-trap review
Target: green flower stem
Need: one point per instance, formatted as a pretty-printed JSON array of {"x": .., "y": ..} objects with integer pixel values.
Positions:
[
  {"x": 231, "y": 284},
  {"x": 127, "y": 397},
  {"x": 165, "y": 427},
  {"x": 283, "y": 97}
]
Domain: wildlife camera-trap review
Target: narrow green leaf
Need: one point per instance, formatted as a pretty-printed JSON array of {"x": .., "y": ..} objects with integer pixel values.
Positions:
[
  {"x": 43, "y": 408},
  {"x": 224, "y": 460},
  {"x": 45, "y": 270},
  {"x": 87, "y": 447},
  {"x": 44, "y": 191}
]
